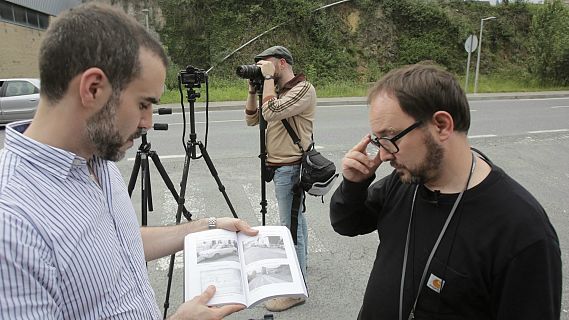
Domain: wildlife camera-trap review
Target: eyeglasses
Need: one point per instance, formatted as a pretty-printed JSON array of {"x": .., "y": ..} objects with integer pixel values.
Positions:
[{"x": 389, "y": 143}]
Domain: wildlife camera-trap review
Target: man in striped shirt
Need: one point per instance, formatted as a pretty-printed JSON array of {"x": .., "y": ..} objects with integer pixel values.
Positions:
[{"x": 70, "y": 244}]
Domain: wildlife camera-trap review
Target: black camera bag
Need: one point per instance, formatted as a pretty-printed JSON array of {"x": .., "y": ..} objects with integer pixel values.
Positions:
[
  {"x": 317, "y": 176},
  {"x": 315, "y": 170}
]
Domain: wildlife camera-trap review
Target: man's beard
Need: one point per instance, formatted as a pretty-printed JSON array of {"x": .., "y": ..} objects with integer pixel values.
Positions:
[
  {"x": 428, "y": 170},
  {"x": 277, "y": 77},
  {"x": 104, "y": 134},
  {"x": 276, "y": 74}
]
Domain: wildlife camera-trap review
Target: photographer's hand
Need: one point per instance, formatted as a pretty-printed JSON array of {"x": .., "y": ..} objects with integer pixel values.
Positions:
[
  {"x": 197, "y": 309},
  {"x": 267, "y": 68},
  {"x": 356, "y": 165},
  {"x": 252, "y": 89},
  {"x": 251, "y": 104}
]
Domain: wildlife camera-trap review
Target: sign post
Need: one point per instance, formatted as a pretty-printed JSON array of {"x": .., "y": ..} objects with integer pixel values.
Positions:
[{"x": 470, "y": 46}]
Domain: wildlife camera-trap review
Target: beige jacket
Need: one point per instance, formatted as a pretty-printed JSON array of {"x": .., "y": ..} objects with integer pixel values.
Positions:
[{"x": 296, "y": 102}]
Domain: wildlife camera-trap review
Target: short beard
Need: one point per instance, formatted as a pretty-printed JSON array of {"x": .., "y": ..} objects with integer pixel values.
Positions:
[
  {"x": 277, "y": 77},
  {"x": 428, "y": 170},
  {"x": 103, "y": 133}
]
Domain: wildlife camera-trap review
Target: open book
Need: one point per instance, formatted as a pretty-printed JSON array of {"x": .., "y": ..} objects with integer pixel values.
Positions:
[{"x": 245, "y": 270}]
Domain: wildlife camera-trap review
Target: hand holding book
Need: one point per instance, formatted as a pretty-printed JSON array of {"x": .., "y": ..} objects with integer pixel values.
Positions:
[
  {"x": 197, "y": 308},
  {"x": 244, "y": 269},
  {"x": 236, "y": 225}
]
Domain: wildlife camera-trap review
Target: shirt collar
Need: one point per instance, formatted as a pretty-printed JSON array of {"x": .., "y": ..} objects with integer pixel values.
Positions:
[
  {"x": 56, "y": 161},
  {"x": 292, "y": 82}
]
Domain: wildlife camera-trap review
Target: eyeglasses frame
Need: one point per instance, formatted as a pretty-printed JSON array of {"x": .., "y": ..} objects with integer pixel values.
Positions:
[{"x": 376, "y": 140}]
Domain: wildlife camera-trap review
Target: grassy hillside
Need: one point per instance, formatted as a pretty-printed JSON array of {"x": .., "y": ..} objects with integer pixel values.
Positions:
[{"x": 345, "y": 47}]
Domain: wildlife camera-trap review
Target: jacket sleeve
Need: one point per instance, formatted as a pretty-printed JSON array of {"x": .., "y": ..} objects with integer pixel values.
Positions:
[
  {"x": 298, "y": 99},
  {"x": 530, "y": 285},
  {"x": 252, "y": 119}
]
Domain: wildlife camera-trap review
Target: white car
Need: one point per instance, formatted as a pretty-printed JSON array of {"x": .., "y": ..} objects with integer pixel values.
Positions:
[
  {"x": 19, "y": 99},
  {"x": 216, "y": 253}
]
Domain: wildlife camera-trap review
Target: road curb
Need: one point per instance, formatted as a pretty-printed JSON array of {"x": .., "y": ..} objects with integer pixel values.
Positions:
[{"x": 351, "y": 101}]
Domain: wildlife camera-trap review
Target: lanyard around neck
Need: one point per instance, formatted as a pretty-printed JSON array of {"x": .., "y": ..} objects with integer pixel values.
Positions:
[{"x": 431, "y": 255}]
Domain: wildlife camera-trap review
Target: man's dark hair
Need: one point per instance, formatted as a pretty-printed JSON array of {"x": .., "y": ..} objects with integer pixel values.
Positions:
[
  {"x": 93, "y": 35},
  {"x": 422, "y": 90}
]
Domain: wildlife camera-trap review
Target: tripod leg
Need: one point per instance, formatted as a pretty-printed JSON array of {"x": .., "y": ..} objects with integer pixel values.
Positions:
[
  {"x": 134, "y": 174},
  {"x": 148, "y": 185},
  {"x": 181, "y": 200},
  {"x": 143, "y": 178},
  {"x": 262, "y": 154},
  {"x": 154, "y": 156},
  {"x": 216, "y": 177}
]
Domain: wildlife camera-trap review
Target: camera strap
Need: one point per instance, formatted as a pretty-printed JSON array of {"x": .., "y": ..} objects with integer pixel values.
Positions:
[
  {"x": 297, "y": 189},
  {"x": 292, "y": 134}
]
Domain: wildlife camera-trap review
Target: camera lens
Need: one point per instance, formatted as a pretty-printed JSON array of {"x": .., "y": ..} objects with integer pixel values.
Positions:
[{"x": 251, "y": 71}]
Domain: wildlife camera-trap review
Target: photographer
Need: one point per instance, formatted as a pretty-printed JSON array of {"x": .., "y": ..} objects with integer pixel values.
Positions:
[
  {"x": 292, "y": 97},
  {"x": 70, "y": 245}
]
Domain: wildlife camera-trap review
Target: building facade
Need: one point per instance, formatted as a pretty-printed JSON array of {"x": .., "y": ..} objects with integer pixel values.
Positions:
[{"x": 23, "y": 23}]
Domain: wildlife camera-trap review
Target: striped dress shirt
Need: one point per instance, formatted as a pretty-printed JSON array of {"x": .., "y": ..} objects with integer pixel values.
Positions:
[{"x": 70, "y": 247}]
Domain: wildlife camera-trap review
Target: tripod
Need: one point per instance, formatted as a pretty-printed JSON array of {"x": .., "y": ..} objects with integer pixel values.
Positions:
[
  {"x": 141, "y": 162},
  {"x": 191, "y": 78},
  {"x": 258, "y": 84}
]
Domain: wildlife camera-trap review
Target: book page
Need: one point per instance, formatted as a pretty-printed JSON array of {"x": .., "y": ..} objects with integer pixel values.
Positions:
[
  {"x": 211, "y": 258},
  {"x": 270, "y": 265}
]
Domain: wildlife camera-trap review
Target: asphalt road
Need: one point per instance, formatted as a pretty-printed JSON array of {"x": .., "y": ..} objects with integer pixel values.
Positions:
[{"x": 526, "y": 137}]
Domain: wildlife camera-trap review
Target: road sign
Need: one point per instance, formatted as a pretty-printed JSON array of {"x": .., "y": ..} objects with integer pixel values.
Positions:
[{"x": 471, "y": 43}]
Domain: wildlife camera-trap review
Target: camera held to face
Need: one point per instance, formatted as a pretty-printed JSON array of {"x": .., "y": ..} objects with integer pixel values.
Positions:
[{"x": 251, "y": 72}]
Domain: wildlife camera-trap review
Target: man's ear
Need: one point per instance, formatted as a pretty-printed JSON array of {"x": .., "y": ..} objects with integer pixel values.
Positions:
[
  {"x": 444, "y": 124},
  {"x": 94, "y": 88}
]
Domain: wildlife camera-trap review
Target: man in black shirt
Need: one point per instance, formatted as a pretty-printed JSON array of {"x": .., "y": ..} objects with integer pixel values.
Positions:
[{"x": 459, "y": 238}]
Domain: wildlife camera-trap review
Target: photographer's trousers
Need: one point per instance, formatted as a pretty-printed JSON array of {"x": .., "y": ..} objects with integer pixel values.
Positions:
[{"x": 285, "y": 179}]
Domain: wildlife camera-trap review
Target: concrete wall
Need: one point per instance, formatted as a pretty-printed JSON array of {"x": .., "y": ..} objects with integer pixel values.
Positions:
[{"x": 19, "y": 48}]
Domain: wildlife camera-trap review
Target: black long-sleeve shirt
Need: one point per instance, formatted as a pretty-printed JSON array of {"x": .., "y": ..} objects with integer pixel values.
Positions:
[{"x": 499, "y": 258}]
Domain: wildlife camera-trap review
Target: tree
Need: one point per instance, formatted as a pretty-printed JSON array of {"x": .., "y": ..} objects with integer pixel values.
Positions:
[{"x": 550, "y": 43}]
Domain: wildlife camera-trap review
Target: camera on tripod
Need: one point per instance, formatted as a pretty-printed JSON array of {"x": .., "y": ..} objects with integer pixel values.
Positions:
[{"x": 192, "y": 77}]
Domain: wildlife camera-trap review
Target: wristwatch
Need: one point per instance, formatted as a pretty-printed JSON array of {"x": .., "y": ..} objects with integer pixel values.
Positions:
[
  {"x": 212, "y": 223},
  {"x": 268, "y": 77}
]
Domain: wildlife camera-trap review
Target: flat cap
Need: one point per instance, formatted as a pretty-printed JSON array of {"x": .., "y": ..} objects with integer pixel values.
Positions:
[{"x": 277, "y": 52}]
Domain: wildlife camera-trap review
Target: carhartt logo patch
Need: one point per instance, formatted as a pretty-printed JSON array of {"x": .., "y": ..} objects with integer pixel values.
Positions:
[{"x": 435, "y": 283}]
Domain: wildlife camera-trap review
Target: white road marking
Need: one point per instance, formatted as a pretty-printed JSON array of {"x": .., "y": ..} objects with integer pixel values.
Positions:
[
  {"x": 203, "y": 122},
  {"x": 178, "y": 156},
  {"x": 482, "y": 136},
  {"x": 559, "y": 107},
  {"x": 526, "y": 99},
  {"x": 549, "y": 131},
  {"x": 165, "y": 157}
]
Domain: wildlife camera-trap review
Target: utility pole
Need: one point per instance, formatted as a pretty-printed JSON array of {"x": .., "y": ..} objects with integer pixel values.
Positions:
[
  {"x": 479, "y": 49},
  {"x": 146, "y": 12}
]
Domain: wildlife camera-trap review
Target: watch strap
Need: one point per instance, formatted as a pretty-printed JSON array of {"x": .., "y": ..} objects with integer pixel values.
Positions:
[{"x": 212, "y": 223}]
